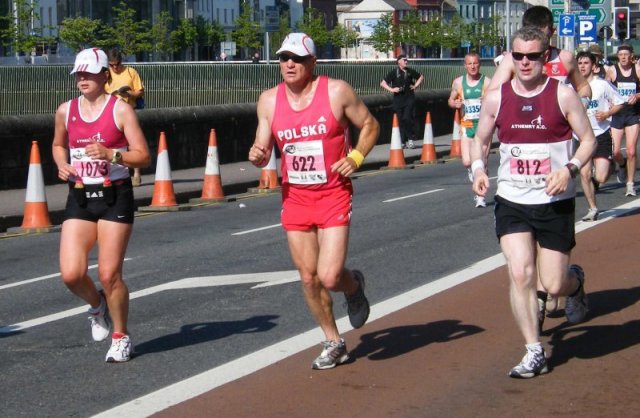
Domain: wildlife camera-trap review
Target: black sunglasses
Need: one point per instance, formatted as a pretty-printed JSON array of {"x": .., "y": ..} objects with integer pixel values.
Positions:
[
  {"x": 295, "y": 58},
  {"x": 531, "y": 56}
]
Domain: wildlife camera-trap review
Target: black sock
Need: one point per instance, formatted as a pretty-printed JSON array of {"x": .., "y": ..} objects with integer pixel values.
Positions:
[{"x": 542, "y": 295}]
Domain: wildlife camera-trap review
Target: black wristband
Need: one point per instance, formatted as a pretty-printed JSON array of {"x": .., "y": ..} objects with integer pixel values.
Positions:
[{"x": 573, "y": 169}]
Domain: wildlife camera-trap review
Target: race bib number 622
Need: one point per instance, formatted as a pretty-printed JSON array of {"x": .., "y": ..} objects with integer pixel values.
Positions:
[{"x": 305, "y": 162}]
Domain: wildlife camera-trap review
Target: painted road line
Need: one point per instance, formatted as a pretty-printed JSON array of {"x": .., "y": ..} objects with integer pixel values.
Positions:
[
  {"x": 256, "y": 229},
  {"x": 411, "y": 195},
  {"x": 48, "y": 276},
  {"x": 262, "y": 279}
]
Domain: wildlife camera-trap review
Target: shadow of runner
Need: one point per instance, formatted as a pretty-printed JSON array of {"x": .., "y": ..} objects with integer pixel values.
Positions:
[
  {"x": 192, "y": 334},
  {"x": 392, "y": 342},
  {"x": 592, "y": 341},
  {"x": 595, "y": 341},
  {"x": 601, "y": 303}
]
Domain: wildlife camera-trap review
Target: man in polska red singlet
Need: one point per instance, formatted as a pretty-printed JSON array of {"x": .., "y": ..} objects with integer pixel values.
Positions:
[{"x": 307, "y": 117}]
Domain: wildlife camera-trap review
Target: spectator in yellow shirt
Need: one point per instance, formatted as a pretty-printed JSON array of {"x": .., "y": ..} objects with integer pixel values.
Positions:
[{"x": 125, "y": 82}]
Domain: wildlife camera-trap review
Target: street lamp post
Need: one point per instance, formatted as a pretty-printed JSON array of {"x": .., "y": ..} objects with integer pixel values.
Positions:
[
  {"x": 441, "y": 22},
  {"x": 508, "y": 31}
]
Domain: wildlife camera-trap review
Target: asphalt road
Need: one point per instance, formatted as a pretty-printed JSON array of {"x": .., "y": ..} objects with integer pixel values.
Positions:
[{"x": 193, "y": 276}]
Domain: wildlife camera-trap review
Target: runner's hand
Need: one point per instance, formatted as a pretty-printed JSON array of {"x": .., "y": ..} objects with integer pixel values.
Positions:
[
  {"x": 97, "y": 151},
  {"x": 344, "y": 166},
  {"x": 557, "y": 181},
  {"x": 257, "y": 154},
  {"x": 480, "y": 183},
  {"x": 65, "y": 171}
]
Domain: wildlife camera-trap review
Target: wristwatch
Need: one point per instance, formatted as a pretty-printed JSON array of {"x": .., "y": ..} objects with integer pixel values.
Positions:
[
  {"x": 116, "y": 157},
  {"x": 573, "y": 169}
]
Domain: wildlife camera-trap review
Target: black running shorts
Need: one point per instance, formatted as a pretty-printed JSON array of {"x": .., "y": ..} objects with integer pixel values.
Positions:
[
  {"x": 604, "y": 146},
  {"x": 552, "y": 224},
  {"x": 623, "y": 118},
  {"x": 121, "y": 210}
]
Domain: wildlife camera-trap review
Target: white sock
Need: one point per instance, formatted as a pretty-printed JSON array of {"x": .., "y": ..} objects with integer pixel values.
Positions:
[{"x": 536, "y": 347}]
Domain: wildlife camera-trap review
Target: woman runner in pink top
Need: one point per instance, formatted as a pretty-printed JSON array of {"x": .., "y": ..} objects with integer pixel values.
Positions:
[{"x": 97, "y": 138}]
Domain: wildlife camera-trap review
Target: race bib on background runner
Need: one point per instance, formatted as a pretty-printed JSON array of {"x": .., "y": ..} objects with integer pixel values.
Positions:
[
  {"x": 472, "y": 109},
  {"x": 626, "y": 90}
]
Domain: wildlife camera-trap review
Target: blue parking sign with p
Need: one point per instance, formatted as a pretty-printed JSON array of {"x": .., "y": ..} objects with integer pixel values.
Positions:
[
  {"x": 567, "y": 25},
  {"x": 587, "y": 29}
]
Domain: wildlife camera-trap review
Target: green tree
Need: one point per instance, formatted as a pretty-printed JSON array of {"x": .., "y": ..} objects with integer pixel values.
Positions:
[
  {"x": 453, "y": 32},
  {"x": 429, "y": 34},
  {"x": 208, "y": 35},
  {"x": 343, "y": 37},
  {"x": 79, "y": 33},
  {"x": 160, "y": 36},
  {"x": 382, "y": 36},
  {"x": 183, "y": 37},
  {"x": 17, "y": 30},
  {"x": 127, "y": 33},
  {"x": 410, "y": 28},
  {"x": 276, "y": 38},
  {"x": 484, "y": 33},
  {"x": 247, "y": 32},
  {"x": 312, "y": 23}
]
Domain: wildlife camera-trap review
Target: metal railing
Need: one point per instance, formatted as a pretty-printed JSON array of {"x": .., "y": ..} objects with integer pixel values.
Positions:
[{"x": 41, "y": 89}]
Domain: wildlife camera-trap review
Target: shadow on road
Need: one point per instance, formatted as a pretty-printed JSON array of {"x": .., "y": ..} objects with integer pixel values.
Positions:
[
  {"x": 592, "y": 341},
  {"x": 192, "y": 334},
  {"x": 8, "y": 331},
  {"x": 396, "y": 341}
]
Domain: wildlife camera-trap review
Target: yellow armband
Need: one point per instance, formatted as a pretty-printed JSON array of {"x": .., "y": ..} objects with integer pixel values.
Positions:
[{"x": 357, "y": 157}]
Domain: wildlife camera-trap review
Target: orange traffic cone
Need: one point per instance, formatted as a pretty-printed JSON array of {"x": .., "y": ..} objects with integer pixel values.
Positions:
[
  {"x": 456, "y": 150},
  {"x": 36, "y": 210},
  {"x": 428, "y": 155},
  {"x": 268, "y": 177},
  {"x": 164, "y": 198},
  {"x": 396, "y": 155},
  {"x": 212, "y": 185}
]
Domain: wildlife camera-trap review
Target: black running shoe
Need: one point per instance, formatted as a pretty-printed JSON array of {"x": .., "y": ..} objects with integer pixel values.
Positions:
[{"x": 357, "y": 304}]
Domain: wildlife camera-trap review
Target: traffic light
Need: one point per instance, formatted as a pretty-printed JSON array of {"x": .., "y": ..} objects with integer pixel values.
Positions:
[{"x": 621, "y": 20}]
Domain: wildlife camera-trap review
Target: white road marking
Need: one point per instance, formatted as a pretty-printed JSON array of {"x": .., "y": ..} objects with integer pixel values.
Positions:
[
  {"x": 37, "y": 279},
  {"x": 235, "y": 369},
  {"x": 256, "y": 229},
  {"x": 263, "y": 279},
  {"x": 411, "y": 195}
]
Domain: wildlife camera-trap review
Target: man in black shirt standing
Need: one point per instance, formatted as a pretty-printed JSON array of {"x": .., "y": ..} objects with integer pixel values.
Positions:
[{"x": 402, "y": 81}]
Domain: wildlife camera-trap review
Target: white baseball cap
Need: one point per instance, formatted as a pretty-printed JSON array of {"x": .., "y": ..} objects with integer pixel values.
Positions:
[
  {"x": 299, "y": 44},
  {"x": 91, "y": 60}
]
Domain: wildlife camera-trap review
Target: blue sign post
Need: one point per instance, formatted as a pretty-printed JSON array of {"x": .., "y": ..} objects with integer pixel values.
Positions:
[
  {"x": 587, "y": 29},
  {"x": 567, "y": 25}
]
